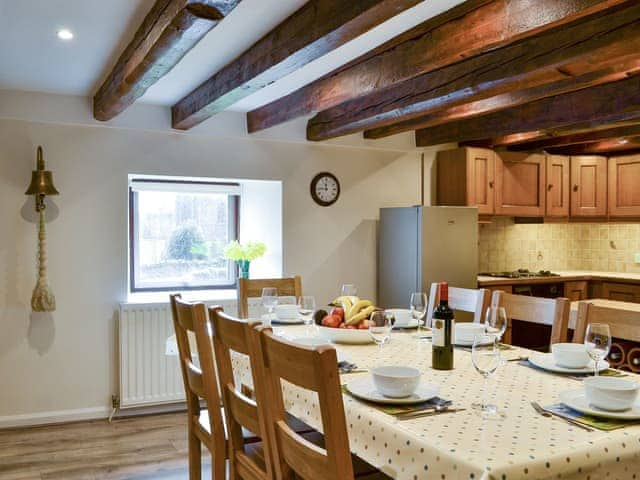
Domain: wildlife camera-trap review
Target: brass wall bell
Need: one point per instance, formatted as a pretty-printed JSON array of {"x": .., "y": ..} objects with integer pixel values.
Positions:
[
  {"x": 41, "y": 182},
  {"x": 42, "y": 299}
]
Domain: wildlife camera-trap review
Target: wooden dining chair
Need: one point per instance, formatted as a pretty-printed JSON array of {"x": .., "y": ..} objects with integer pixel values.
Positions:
[
  {"x": 541, "y": 311},
  {"x": 297, "y": 456},
  {"x": 248, "y": 461},
  {"x": 623, "y": 323},
  {"x": 470, "y": 300},
  {"x": 252, "y": 288},
  {"x": 205, "y": 426}
]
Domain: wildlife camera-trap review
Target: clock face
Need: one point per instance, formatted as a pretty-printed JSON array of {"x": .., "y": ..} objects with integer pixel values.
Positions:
[{"x": 325, "y": 189}]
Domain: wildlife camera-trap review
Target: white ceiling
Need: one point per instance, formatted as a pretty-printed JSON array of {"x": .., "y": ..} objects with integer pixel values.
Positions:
[{"x": 33, "y": 59}]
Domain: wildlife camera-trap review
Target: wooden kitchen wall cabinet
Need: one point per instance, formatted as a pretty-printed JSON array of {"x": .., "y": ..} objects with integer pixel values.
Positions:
[
  {"x": 520, "y": 184},
  {"x": 624, "y": 186},
  {"x": 465, "y": 177},
  {"x": 588, "y": 186},
  {"x": 558, "y": 185}
]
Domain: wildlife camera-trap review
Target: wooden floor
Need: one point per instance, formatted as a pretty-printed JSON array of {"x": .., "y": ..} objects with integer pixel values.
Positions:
[{"x": 141, "y": 448}]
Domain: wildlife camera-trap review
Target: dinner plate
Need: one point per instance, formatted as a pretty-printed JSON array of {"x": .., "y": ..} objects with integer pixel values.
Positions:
[
  {"x": 546, "y": 362},
  {"x": 284, "y": 321},
  {"x": 364, "y": 389},
  {"x": 577, "y": 400}
]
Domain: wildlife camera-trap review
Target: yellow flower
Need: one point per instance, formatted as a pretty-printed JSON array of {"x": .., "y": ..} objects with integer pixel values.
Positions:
[{"x": 250, "y": 251}]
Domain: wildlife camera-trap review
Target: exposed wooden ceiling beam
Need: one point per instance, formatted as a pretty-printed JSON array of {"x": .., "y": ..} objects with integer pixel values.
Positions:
[
  {"x": 469, "y": 29},
  {"x": 607, "y": 134},
  {"x": 615, "y": 146},
  {"x": 586, "y": 108},
  {"x": 585, "y": 52},
  {"x": 168, "y": 32},
  {"x": 314, "y": 30}
]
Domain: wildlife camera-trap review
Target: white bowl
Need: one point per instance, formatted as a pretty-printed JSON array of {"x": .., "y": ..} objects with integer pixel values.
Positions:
[
  {"x": 570, "y": 355},
  {"x": 610, "y": 393},
  {"x": 467, "y": 331},
  {"x": 402, "y": 315},
  {"x": 286, "y": 312},
  {"x": 396, "y": 381},
  {"x": 345, "y": 335}
]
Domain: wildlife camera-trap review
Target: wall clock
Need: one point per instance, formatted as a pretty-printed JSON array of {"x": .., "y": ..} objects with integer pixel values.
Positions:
[{"x": 325, "y": 189}]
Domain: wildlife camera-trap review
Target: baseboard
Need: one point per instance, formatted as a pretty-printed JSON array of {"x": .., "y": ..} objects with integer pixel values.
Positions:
[
  {"x": 59, "y": 416},
  {"x": 95, "y": 413}
]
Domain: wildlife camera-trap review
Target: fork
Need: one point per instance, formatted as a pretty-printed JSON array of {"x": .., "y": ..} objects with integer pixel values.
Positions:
[{"x": 546, "y": 413}]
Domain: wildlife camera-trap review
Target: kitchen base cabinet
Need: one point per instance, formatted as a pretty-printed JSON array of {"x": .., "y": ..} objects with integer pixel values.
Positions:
[
  {"x": 623, "y": 292},
  {"x": 575, "y": 291}
]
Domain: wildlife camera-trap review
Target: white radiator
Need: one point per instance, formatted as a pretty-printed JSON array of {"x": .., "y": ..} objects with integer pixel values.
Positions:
[{"x": 148, "y": 376}]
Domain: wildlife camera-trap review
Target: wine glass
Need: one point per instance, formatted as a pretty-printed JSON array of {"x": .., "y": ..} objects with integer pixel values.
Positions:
[
  {"x": 380, "y": 325},
  {"x": 269, "y": 301},
  {"x": 597, "y": 341},
  {"x": 485, "y": 355},
  {"x": 306, "y": 308},
  {"x": 495, "y": 321},
  {"x": 418, "y": 306},
  {"x": 349, "y": 290}
]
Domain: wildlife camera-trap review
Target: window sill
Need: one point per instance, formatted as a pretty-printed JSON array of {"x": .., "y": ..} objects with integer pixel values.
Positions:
[{"x": 191, "y": 295}]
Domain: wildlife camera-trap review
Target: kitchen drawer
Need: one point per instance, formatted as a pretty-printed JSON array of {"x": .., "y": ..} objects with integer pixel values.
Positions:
[{"x": 623, "y": 292}]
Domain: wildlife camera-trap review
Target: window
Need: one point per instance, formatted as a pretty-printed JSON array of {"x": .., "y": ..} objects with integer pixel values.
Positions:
[{"x": 177, "y": 233}]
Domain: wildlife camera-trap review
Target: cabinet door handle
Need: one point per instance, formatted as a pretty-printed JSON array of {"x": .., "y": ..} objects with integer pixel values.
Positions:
[
  {"x": 549, "y": 187},
  {"x": 575, "y": 188},
  {"x": 491, "y": 184}
]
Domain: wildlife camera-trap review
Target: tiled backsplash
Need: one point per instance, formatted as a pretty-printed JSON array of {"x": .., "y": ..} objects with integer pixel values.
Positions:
[{"x": 558, "y": 246}]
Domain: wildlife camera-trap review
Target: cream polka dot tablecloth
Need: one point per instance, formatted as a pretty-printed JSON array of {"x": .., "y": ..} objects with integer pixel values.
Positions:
[{"x": 462, "y": 445}]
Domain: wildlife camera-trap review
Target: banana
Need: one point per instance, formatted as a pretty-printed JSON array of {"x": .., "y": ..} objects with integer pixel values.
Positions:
[
  {"x": 361, "y": 315},
  {"x": 357, "y": 307},
  {"x": 346, "y": 306}
]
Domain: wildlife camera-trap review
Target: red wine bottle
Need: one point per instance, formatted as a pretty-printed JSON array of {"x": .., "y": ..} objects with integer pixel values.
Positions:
[{"x": 442, "y": 326}]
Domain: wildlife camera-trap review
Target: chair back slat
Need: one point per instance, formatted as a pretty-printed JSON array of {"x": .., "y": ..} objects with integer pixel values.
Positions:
[
  {"x": 544, "y": 311},
  {"x": 470, "y": 300},
  {"x": 312, "y": 368},
  {"x": 307, "y": 458},
  {"x": 252, "y": 288},
  {"x": 200, "y": 382},
  {"x": 234, "y": 335},
  {"x": 195, "y": 380},
  {"x": 623, "y": 323},
  {"x": 243, "y": 409}
]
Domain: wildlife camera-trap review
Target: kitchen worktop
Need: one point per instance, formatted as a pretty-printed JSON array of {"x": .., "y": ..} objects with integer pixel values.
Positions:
[{"x": 564, "y": 276}]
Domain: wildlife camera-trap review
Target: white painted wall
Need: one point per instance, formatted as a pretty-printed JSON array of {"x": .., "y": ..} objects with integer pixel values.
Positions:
[{"x": 67, "y": 360}]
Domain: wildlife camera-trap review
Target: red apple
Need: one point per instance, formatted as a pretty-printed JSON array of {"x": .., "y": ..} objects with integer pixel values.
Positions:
[{"x": 339, "y": 311}]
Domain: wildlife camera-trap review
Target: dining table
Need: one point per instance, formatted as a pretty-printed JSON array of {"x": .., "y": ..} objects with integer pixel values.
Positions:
[{"x": 518, "y": 444}]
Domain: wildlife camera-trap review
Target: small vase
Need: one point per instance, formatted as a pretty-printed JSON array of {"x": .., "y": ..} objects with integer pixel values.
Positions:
[{"x": 243, "y": 268}]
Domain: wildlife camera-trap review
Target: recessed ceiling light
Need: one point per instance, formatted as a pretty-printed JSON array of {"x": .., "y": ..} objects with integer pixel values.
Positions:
[
  {"x": 623, "y": 140},
  {"x": 65, "y": 34}
]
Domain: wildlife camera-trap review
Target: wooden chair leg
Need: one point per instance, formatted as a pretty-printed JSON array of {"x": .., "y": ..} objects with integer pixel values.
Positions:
[
  {"x": 195, "y": 457},
  {"x": 219, "y": 468}
]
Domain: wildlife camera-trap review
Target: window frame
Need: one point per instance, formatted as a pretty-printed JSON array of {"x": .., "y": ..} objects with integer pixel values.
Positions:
[{"x": 234, "y": 216}]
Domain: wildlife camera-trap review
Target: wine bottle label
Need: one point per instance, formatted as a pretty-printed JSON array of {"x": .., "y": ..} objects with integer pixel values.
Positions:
[{"x": 439, "y": 333}]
